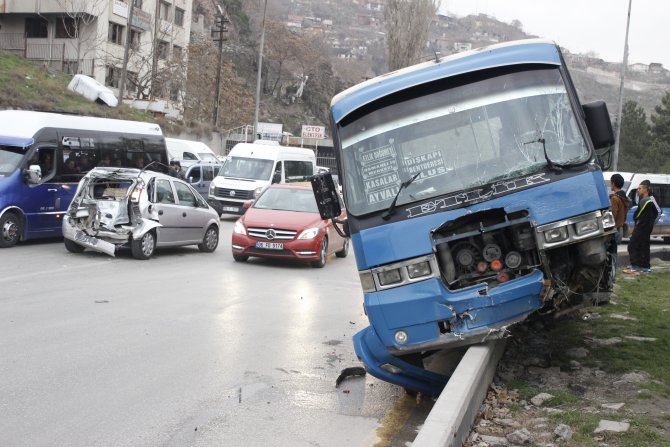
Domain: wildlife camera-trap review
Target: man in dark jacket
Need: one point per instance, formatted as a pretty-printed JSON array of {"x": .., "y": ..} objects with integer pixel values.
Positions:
[{"x": 645, "y": 217}]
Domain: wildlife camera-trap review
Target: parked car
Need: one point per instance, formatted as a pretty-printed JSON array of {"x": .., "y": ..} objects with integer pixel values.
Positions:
[
  {"x": 284, "y": 222},
  {"x": 115, "y": 207},
  {"x": 201, "y": 174}
]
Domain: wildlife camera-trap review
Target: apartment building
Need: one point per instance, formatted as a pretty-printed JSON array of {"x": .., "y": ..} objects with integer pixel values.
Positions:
[{"x": 89, "y": 36}]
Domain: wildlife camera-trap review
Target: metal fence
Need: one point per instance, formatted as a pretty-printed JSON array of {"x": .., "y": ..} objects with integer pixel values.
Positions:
[{"x": 60, "y": 56}]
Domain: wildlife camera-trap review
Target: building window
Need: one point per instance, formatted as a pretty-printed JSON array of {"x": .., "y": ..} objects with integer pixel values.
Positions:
[
  {"x": 37, "y": 27},
  {"x": 137, "y": 4},
  {"x": 112, "y": 76},
  {"x": 179, "y": 17},
  {"x": 164, "y": 11},
  {"x": 66, "y": 28},
  {"x": 135, "y": 37},
  {"x": 115, "y": 34},
  {"x": 177, "y": 53},
  {"x": 163, "y": 49}
]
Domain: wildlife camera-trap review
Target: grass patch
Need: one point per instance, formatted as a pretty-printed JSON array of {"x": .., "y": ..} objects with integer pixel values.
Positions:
[{"x": 648, "y": 301}]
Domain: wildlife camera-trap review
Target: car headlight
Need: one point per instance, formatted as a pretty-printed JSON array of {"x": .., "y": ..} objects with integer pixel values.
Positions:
[
  {"x": 212, "y": 188},
  {"x": 309, "y": 233},
  {"x": 556, "y": 234},
  {"x": 586, "y": 227},
  {"x": 239, "y": 228},
  {"x": 257, "y": 192}
]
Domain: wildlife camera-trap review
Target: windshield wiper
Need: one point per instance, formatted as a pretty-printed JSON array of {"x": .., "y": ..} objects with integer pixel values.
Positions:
[
  {"x": 389, "y": 212},
  {"x": 550, "y": 164}
]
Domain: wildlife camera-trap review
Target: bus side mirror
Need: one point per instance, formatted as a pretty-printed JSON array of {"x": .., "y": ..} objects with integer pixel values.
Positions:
[
  {"x": 33, "y": 174},
  {"x": 326, "y": 195},
  {"x": 599, "y": 125}
]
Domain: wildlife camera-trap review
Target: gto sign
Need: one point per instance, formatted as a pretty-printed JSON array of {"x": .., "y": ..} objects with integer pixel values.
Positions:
[{"x": 313, "y": 132}]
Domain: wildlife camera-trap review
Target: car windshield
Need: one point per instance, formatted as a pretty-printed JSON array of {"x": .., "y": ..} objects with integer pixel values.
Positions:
[
  {"x": 460, "y": 138},
  {"x": 288, "y": 199},
  {"x": 10, "y": 158},
  {"x": 248, "y": 168}
]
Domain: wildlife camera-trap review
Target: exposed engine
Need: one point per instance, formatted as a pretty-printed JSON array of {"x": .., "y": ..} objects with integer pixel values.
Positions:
[{"x": 490, "y": 246}]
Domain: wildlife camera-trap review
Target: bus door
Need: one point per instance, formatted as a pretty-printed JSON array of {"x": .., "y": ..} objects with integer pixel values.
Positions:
[{"x": 42, "y": 203}]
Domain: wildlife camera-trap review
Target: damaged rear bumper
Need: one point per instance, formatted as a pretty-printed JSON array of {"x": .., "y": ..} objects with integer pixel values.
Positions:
[{"x": 434, "y": 319}]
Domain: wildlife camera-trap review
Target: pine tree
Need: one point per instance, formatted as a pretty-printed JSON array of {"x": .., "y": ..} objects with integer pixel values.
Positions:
[
  {"x": 660, "y": 132},
  {"x": 635, "y": 139}
]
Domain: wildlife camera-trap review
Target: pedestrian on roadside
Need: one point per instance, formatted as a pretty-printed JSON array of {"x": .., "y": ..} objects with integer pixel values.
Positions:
[
  {"x": 620, "y": 206},
  {"x": 645, "y": 218},
  {"x": 176, "y": 170}
]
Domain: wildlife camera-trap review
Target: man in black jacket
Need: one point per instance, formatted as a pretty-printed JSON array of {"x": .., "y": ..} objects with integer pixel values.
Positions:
[{"x": 645, "y": 218}]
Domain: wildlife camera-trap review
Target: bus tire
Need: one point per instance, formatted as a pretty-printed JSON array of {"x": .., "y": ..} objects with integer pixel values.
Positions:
[
  {"x": 11, "y": 227},
  {"x": 72, "y": 246},
  {"x": 144, "y": 247}
]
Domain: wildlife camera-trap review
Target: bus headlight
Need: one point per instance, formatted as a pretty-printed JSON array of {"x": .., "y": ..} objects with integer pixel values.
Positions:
[
  {"x": 367, "y": 281},
  {"x": 418, "y": 270},
  {"x": 388, "y": 277},
  {"x": 586, "y": 227},
  {"x": 608, "y": 219},
  {"x": 556, "y": 234}
]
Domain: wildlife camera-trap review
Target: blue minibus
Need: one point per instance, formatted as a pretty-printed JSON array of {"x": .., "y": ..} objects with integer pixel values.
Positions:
[
  {"x": 44, "y": 155},
  {"x": 475, "y": 198}
]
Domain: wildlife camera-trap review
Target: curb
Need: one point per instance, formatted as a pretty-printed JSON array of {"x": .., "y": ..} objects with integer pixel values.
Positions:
[{"x": 452, "y": 416}]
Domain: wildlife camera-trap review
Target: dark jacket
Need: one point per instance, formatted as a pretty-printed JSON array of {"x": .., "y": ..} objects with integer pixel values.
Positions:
[{"x": 646, "y": 215}]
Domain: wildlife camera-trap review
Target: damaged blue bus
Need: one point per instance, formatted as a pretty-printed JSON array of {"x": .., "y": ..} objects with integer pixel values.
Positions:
[{"x": 475, "y": 198}]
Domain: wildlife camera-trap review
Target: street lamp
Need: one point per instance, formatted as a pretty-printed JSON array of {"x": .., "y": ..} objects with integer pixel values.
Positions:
[
  {"x": 615, "y": 156},
  {"x": 260, "y": 66}
]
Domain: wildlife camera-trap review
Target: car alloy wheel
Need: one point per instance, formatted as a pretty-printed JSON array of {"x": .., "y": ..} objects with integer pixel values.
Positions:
[
  {"x": 144, "y": 247},
  {"x": 210, "y": 241},
  {"x": 323, "y": 255}
]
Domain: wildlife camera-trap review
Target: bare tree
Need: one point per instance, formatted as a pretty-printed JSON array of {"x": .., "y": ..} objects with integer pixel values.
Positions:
[
  {"x": 78, "y": 21},
  {"x": 407, "y": 25}
]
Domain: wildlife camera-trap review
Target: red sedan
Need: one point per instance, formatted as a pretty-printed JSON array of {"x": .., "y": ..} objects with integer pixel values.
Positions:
[{"x": 284, "y": 222}]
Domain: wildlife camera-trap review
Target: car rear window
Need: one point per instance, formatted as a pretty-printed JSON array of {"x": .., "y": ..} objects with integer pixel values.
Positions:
[{"x": 110, "y": 190}]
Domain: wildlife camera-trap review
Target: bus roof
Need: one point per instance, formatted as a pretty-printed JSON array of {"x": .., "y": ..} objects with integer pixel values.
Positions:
[
  {"x": 25, "y": 124},
  {"x": 530, "y": 51}
]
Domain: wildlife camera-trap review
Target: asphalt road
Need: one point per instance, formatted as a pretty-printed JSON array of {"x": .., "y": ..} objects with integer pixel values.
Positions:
[{"x": 187, "y": 348}]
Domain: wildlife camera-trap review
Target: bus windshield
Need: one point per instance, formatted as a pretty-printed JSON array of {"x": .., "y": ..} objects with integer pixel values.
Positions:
[
  {"x": 459, "y": 138},
  {"x": 10, "y": 158},
  {"x": 248, "y": 168}
]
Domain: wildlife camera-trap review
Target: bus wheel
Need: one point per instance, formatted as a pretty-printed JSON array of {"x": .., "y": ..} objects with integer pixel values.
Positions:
[
  {"x": 10, "y": 230},
  {"x": 144, "y": 247},
  {"x": 72, "y": 246}
]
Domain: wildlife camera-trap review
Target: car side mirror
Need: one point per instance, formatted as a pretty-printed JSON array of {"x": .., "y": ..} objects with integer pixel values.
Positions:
[
  {"x": 247, "y": 204},
  {"x": 326, "y": 195},
  {"x": 33, "y": 174}
]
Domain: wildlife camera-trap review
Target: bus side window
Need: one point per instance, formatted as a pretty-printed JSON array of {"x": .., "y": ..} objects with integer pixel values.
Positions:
[{"x": 45, "y": 158}]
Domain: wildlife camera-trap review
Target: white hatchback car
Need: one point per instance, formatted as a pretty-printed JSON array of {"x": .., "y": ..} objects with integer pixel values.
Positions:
[{"x": 116, "y": 207}]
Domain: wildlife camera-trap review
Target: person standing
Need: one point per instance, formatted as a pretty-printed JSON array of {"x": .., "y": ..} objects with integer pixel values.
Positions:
[
  {"x": 645, "y": 218},
  {"x": 620, "y": 205}
]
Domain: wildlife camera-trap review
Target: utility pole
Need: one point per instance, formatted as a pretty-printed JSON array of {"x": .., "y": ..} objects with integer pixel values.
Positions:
[
  {"x": 260, "y": 68},
  {"x": 624, "y": 65},
  {"x": 221, "y": 21},
  {"x": 126, "y": 50}
]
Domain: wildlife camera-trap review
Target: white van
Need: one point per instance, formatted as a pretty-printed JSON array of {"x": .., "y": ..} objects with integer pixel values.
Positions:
[
  {"x": 189, "y": 150},
  {"x": 251, "y": 167}
]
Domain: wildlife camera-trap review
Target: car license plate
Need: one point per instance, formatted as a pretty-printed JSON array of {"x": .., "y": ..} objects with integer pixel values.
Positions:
[
  {"x": 270, "y": 245},
  {"x": 234, "y": 209},
  {"x": 79, "y": 236}
]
